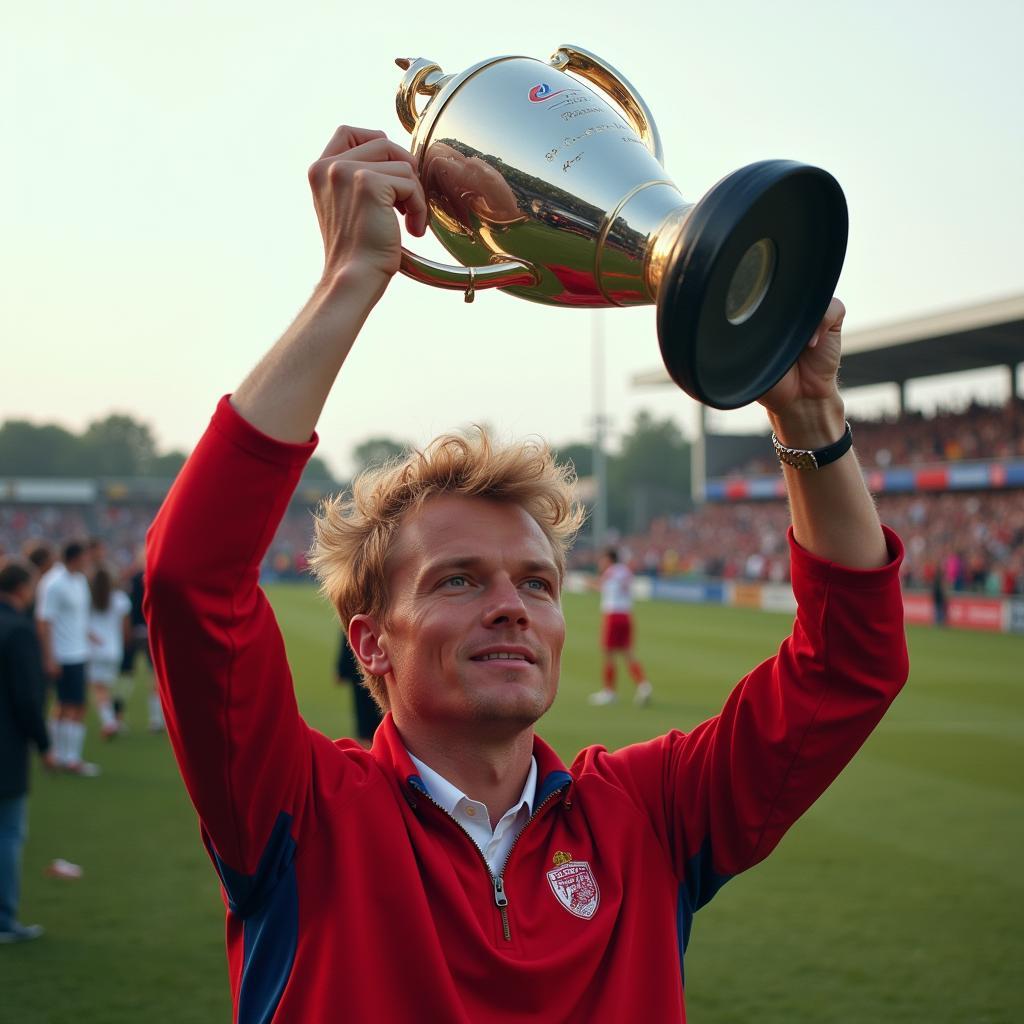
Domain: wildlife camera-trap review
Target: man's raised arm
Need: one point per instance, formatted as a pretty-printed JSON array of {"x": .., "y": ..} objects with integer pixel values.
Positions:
[
  {"x": 357, "y": 184},
  {"x": 723, "y": 794},
  {"x": 218, "y": 654},
  {"x": 833, "y": 514}
]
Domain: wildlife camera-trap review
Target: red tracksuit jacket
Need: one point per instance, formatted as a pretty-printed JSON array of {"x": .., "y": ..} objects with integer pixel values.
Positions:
[{"x": 352, "y": 897}]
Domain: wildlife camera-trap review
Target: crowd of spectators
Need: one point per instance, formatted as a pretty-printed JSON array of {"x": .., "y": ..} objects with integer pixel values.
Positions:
[
  {"x": 286, "y": 557},
  {"x": 977, "y": 432},
  {"x": 122, "y": 528},
  {"x": 974, "y": 540}
]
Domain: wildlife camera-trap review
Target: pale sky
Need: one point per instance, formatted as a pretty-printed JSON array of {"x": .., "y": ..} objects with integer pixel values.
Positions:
[{"x": 157, "y": 232}]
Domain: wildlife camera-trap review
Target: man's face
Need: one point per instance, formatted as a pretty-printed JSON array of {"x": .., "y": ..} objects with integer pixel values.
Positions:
[{"x": 474, "y": 628}]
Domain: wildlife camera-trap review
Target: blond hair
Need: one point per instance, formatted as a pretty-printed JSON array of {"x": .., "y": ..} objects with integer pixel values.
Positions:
[{"x": 355, "y": 532}]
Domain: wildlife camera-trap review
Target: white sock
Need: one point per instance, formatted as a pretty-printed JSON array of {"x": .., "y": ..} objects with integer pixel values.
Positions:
[
  {"x": 107, "y": 717},
  {"x": 60, "y": 741},
  {"x": 156, "y": 711},
  {"x": 76, "y": 741}
]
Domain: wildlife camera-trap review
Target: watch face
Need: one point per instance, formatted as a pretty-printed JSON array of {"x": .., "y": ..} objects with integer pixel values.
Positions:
[{"x": 798, "y": 459}]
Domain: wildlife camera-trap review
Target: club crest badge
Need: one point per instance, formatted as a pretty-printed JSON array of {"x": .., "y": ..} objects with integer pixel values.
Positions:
[{"x": 574, "y": 886}]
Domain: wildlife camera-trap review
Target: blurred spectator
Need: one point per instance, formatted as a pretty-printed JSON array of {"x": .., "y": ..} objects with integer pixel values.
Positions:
[
  {"x": 365, "y": 711},
  {"x": 109, "y": 628},
  {"x": 138, "y": 640},
  {"x": 21, "y": 725}
]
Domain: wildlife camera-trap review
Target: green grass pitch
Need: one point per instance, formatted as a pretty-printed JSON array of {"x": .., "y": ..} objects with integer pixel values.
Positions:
[{"x": 898, "y": 898}]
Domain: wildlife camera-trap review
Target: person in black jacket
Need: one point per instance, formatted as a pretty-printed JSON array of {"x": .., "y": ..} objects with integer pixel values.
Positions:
[
  {"x": 21, "y": 723},
  {"x": 364, "y": 708}
]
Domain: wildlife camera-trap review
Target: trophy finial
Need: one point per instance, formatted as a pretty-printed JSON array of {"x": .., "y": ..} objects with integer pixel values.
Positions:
[{"x": 422, "y": 78}]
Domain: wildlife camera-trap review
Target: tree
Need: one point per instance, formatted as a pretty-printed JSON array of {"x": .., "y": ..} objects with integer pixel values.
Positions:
[
  {"x": 650, "y": 476},
  {"x": 30, "y": 450},
  {"x": 167, "y": 466},
  {"x": 376, "y": 450},
  {"x": 580, "y": 454},
  {"x": 117, "y": 446},
  {"x": 317, "y": 469}
]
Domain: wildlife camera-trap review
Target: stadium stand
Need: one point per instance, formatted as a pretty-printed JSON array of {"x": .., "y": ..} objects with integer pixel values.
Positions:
[
  {"x": 980, "y": 432},
  {"x": 975, "y": 538}
]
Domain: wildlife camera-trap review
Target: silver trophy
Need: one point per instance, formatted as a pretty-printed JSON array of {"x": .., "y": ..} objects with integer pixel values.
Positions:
[{"x": 550, "y": 186}]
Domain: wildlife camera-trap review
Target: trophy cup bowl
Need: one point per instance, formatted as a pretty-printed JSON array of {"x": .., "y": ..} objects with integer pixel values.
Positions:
[{"x": 545, "y": 180}]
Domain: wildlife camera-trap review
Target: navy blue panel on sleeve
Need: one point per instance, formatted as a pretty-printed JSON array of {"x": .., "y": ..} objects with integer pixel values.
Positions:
[
  {"x": 268, "y": 903},
  {"x": 700, "y": 883},
  {"x": 271, "y": 938}
]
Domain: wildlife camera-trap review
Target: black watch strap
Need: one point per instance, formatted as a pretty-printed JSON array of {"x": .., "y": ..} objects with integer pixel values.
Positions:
[{"x": 803, "y": 458}]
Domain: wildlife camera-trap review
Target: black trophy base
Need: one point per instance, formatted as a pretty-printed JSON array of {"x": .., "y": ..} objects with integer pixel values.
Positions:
[{"x": 752, "y": 275}]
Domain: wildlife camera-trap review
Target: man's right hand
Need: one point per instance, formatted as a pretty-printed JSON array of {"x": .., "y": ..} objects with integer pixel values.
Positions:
[{"x": 359, "y": 181}]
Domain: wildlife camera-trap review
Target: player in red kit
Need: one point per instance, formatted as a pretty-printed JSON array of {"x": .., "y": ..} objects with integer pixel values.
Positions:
[{"x": 616, "y": 583}]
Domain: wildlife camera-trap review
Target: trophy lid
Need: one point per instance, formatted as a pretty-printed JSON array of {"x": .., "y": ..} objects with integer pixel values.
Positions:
[{"x": 751, "y": 276}]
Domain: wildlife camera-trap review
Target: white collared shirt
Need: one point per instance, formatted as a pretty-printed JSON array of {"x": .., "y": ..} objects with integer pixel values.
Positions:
[{"x": 474, "y": 818}]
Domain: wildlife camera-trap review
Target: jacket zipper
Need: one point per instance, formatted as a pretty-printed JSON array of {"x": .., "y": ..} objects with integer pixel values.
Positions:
[{"x": 497, "y": 881}]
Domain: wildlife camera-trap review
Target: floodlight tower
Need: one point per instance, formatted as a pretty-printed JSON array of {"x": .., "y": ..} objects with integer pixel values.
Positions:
[{"x": 597, "y": 373}]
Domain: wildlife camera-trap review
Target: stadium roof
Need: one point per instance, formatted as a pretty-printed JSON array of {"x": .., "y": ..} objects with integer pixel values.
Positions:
[{"x": 987, "y": 334}]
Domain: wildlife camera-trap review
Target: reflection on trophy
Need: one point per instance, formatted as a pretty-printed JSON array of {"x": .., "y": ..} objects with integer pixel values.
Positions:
[{"x": 554, "y": 191}]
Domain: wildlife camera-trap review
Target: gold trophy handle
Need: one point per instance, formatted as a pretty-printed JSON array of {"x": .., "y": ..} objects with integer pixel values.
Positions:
[
  {"x": 591, "y": 67},
  {"x": 424, "y": 78},
  {"x": 466, "y": 279}
]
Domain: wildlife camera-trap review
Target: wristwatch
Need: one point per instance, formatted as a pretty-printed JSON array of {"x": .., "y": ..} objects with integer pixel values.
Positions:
[{"x": 803, "y": 458}]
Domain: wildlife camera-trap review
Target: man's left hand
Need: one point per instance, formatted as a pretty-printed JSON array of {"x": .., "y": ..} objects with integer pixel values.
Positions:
[
  {"x": 805, "y": 408},
  {"x": 813, "y": 377}
]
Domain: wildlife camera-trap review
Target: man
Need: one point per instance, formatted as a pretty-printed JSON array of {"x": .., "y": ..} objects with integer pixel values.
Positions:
[
  {"x": 138, "y": 640},
  {"x": 458, "y": 872},
  {"x": 21, "y": 725},
  {"x": 42, "y": 559},
  {"x": 616, "y": 583},
  {"x": 62, "y": 613}
]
